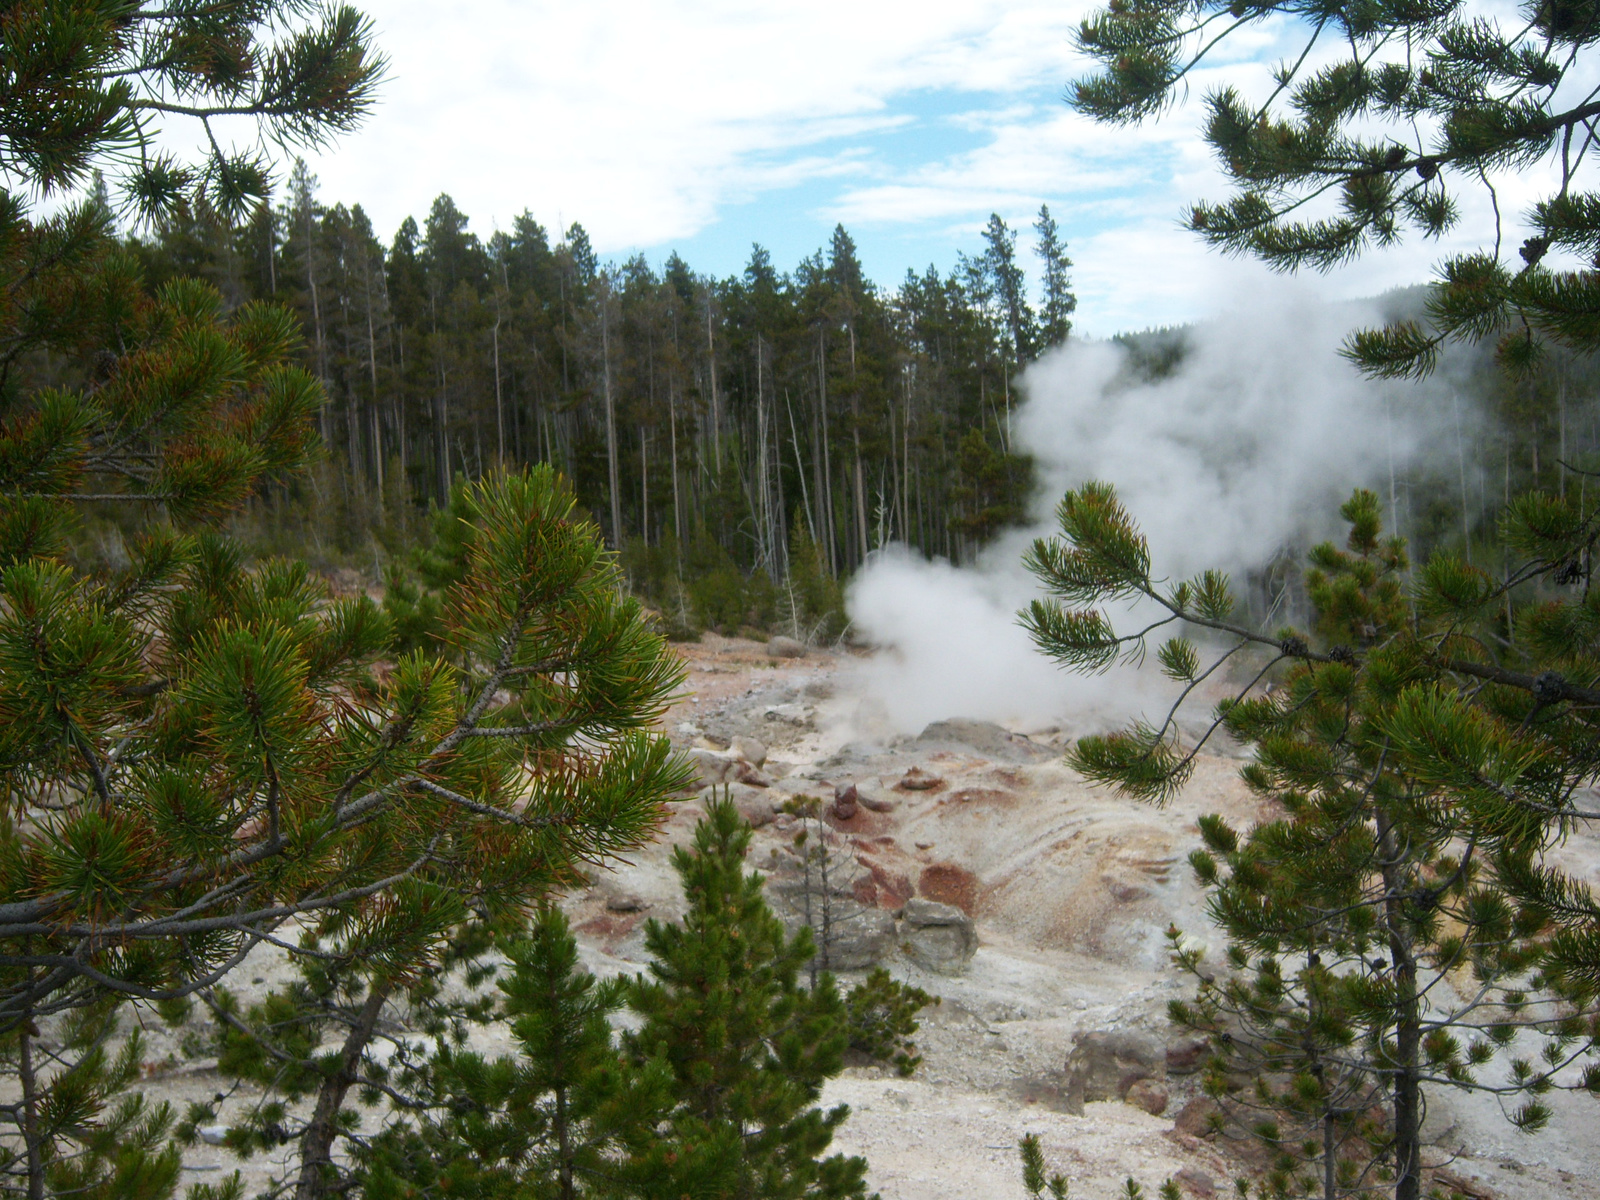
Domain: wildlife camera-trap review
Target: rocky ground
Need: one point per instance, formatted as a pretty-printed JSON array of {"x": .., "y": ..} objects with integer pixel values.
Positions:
[{"x": 974, "y": 864}]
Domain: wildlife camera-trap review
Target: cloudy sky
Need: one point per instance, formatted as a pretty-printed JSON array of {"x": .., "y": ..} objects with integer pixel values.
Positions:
[{"x": 706, "y": 125}]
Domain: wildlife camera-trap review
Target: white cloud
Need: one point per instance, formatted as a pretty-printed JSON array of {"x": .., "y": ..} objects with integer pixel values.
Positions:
[
  {"x": 648, "y": 119},
  {"x": 642, "y": 119}
]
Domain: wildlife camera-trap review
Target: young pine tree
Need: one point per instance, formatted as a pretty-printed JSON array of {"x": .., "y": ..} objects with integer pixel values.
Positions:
[
  {"x": 1393, "y": 929},
  {"x": 525, "y": 746},
  {"x": 548, "y": 1122},
  {"x": 746, "y": 1047}
]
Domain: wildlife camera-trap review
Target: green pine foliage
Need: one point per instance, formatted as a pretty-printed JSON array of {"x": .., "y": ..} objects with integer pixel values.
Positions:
[
  {"x": 1354, "y": 148},
  {"x": 714, "y": 1095},
  {"x": 526, "y": 748},
  {"x": 992, "y": 489},
  {"x": 82, "y": 1128},
  {"x": 548, "y": 1122},
  {"x": 1039, "y": 1180},
  {"x": 747, "y": 1048},
  {"x": 882, "y": 1014},
  {"x": 1397, "y": 925},
  {"x": 811, "y": 601},
  {"x": 89, "y": 86}
]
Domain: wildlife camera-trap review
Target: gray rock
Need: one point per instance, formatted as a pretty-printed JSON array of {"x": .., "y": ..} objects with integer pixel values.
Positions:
[
  {"x": 937, "y": 937},
  {"x": 1105, "y": 1066},
  {"x": 754, "y": 804},
  {"x": 789, "y": 714},
  {"x": 212, "y": 1135},
  {"x": 985, "y": 737},
  {"x": 873, "y": 797},
  {"x": 711, "y": 768},
  {"x": 752, "y": 751},
  {"x": 859, "y": 939},
  {"x": 786, "y": 647}
]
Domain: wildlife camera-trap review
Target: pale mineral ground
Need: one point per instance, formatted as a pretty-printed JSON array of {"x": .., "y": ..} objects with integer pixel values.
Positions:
[{"x": 1069, "y": 891}]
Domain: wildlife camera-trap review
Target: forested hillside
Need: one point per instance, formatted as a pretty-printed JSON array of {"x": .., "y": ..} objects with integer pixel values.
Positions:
[{"x": 717, "y": 429}]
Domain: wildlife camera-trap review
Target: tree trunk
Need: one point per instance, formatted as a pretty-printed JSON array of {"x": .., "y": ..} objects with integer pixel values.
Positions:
[
  {"x": 611, "y": 422},
  {"x": 716, "y": 407},
  {"x": 316, "y": 1144},
  {"x": 32, "y": 1141},
  {"x": 499, "y": 402},
  {"x": 1408, "y": 1025}
]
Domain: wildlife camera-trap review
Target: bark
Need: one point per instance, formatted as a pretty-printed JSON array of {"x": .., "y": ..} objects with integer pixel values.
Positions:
[
  {"x": 1407, "y": 1074},
  {"x": 32, "y": 1140},
  {"x": 611, "y": 423},
  {"x": 316, "y": 1144}
]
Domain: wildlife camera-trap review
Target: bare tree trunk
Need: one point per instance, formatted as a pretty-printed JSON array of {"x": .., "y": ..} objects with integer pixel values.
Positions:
[
  {"x": 677, "y": 499},
  {"x": 716, "y": 410},
  {"x": 316, "y": 1145},
  {"x": 499, "y": 401},
  {"x": 372, "y": 368},
  {"x": 32, "y": 1140},
  {"x": 316, "y": 314},
  {"x": 611, "y": 421},
  {"x": 825, "y": 484}
]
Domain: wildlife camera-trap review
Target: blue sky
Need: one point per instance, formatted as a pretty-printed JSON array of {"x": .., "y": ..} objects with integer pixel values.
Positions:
[{"x": 705, "y": 125}]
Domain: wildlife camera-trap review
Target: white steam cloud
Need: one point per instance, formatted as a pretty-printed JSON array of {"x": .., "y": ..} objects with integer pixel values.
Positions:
[{"x": 1249, "y": 447}]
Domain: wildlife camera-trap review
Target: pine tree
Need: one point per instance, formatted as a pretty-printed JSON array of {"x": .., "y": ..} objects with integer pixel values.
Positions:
[
  {"x": 526, "y": 753},
  {"x": 548, "y": 1122},
  {"x": 1419, "y": 784},
  {"x": 1395, "y": 145},
  {"x": 1008, "y": 281},
  {"x": 83, "y": 92},
  {"x": 81, "y": 1128},
  {"x": 747, "y": 1047},
  {"x": 1055, "y": 319}
]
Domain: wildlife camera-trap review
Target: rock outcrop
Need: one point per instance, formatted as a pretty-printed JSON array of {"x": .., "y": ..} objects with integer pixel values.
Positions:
[
  {"x": 1106, "y": 1066},
  {"x": 937, "y": 937}
]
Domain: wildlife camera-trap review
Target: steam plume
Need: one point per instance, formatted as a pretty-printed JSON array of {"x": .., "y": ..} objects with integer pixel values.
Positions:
[{"x": 1248, "y": 448}]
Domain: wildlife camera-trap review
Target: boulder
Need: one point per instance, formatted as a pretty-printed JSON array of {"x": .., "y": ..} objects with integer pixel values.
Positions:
[
  {"x": 873, "y": 798},
  {"x": 786, "y": 647},
  {"x": 858, "y": 938},
  {"x": 625, "y": 902},
  {"x": 1105, "y": 1065},
  {"x": 1188, "y": 1056},
  {"x": 752, "y": 751},
  {"x": 754, "y": 805},
  {"x": 918, "y": 780},
  {"x": 711, "y": 768},
  {"x": 987, "y": 738},
  {"x": 937, "y": 937},
  {"x": 1148, "y": 1094},
  {"x": 788, "y": 714},
  {"x": 1198, "y": 1118},
  {"x": 845, "y": 799},
  {"x": 1195, "y": 1182},
  {"x": 742, "y": 772}
]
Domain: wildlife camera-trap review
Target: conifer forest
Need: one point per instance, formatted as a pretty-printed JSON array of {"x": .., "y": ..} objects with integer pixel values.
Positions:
[
  {"x": 484, "y": 718},
  {"x": 715, "y": 428}
]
